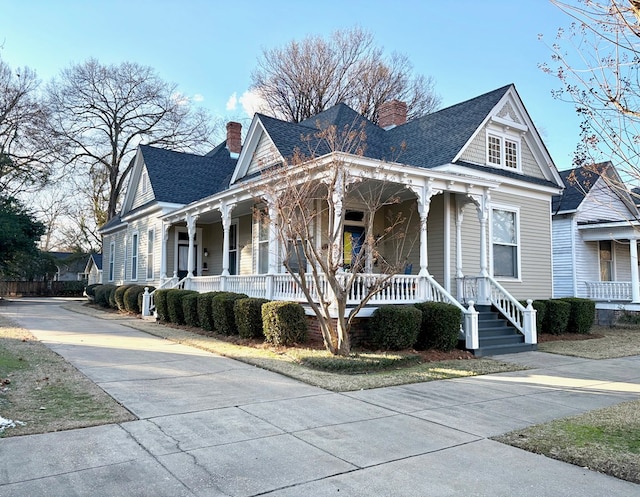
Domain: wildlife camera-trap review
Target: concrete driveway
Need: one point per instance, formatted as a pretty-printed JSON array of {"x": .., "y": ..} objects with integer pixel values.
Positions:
[{"x": 211, "y": 426}]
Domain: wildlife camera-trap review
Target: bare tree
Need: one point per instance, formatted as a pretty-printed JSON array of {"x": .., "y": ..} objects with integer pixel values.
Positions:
[
  {"x": 308, "y": 202},
  {"x": 597, "y": 60},
  {"x": 24, "y": 154},
  {"x": 304, "y": 78},
  {"x": 100, "y": 114}
]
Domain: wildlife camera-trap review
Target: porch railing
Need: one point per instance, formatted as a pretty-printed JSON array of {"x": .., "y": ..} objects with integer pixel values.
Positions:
[
  {"x": 148, "y": 304},
  {"x": 609, "y": 290},
  {"x": 487, "y": 291}
]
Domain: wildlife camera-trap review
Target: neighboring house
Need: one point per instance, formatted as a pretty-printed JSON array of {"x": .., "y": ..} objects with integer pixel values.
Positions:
[
  {"x": 595, "y": 231},
  {"x": 476, "y": 176},
  {"x": 93, "y": 269},
  {"x": 70, "y": 266}
]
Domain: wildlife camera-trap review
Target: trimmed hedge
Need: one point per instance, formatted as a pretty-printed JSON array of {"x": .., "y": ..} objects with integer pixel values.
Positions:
[
  {"x": 204, "y": 310},
  {"x": 581, "y": 316},
  {"x": 101, "y": 294},
  {"x": 132, "y": 300},
  {"x": 139, "y": 297},
  {"x": 112, "y": 297},
  {"x": 190, "y": 309},
  {"x": 556, "y": 317},
  {"x": 119, "y": 296},
  {"x": 71, "y": 289},
  {"x": 89, "y": 290},
  {"x": 395, "y": 327},
  {"x": 248, "y": 315},
  {"x": 224, "y": 319},
  {"x": 174, "y": 304},
  {"x": 160, "y": 302},
  {"x": 440, "y": 327},
  {"x": 284, "y": 323}
]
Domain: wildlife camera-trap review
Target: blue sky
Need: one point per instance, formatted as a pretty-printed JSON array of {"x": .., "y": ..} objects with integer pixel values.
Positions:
[{"x": 209, "y": 48}]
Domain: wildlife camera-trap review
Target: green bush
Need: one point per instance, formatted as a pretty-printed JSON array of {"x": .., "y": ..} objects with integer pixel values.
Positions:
[
  {"x": 224, "y": 319},
  {"x": 190, "y": 309},
  {"x": 440, "y": 328},
  {"x": 119, "y": 296},
  {"x": 556, "y": 317},
  {"x": 174, "y": 304},
  {"x": 395, "y": 327},
  {"x": 284, "y": 323},
  {"x": 248, "y": 314},
  {"x": 160, "y": 303},
  {"x": 139, "y": 297},
  {"x": 101, "y": 294},
  {"x": 71, "y": 289},
  {"x": 204, "y": 310},
  {"x": 541, "y": 308},
  {"x": 581, "y": 316},
  {"x": 130, "y": 298},
  {"x": 89, "y": 290},
  {"x": 112, "y": 298}
]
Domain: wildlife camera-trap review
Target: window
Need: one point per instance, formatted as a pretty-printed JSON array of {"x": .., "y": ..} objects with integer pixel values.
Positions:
[
  {"x": 112, "y": 260},
  {"x": 503, "y": 151},
  {"x": 150, "y": 262},
  {"x": 296, "y": 257},
  {"x": 263, "y": 242},
  {"x": 134, "y": 256},
  {"x": 606, "y": 260},
  {"x": 233, "y": 248},
  {"x": 504, "y": 226}
]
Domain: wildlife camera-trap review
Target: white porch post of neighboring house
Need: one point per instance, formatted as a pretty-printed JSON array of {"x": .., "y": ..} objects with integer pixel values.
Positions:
[
  {"x": 191, "y": 230},
  {"x": 635, "y": 284},
  {"x": 163, "y": 252}
]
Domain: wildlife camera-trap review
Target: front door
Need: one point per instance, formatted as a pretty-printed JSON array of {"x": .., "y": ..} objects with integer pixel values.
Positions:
[
  {"x": 352, "y": 245},
  {"x": 183, "y": 259}
]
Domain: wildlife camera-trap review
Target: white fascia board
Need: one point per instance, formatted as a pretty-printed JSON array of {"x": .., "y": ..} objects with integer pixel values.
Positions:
[
  {"x": 152, "y": 208},
  {"x": 134, "y": 178},
  {"x": 114, "y": 229}
]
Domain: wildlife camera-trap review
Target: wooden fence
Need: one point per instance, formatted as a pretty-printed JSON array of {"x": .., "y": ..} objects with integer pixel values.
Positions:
[{"x": 42, "y": 288}]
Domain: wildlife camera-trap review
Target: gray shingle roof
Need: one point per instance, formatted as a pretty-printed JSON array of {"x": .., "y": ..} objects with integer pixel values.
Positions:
[
  {"x": 182, "y": 178},
  {"x": 428, "y": 142},
  {"x": 577, "y": 183}
]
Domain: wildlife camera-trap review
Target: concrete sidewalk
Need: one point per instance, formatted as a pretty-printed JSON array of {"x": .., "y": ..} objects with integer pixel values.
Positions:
[{"x": 211, "y": 426}]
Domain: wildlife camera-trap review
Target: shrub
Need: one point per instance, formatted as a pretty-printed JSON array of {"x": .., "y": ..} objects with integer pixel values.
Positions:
[
  {"x": 204, "y": 310},
  {"x": 190, "y": 309},
  {"x": 556, "y": 317},
  {"x": 112, "y": 297},
  {"x": 119, "y": 296},
  {"x": 395, "y": 327},
  {"x": 71, "y": 289},
  {"x": 174, "y": 304},
  {"x": 224, "y": 319},
  {"x": 581, "y": 315},
  {"x": 139, "y": 297},
  {"x": 89, "y": 291},
  {"x": 541, "y": 308},
  {"x": 131, "y": 298},
  {"x": 248, "y": 315},
  {"x": 160, "y": 302},
  {"x": 440, "y": 327},
  {"x": 284, "y": 323},
  {"x": 101, "y": 295}
]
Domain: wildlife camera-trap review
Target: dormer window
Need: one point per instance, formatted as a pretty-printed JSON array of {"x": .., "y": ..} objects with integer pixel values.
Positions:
[{"x": 503, "y": 151}]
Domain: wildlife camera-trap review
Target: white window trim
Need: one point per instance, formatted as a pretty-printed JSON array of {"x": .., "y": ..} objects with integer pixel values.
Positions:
[
  {"x": 144, "y": 182},
  {"x": 258, "y": 242},
  {"x": 613, "y": 261},
  {"x": 153, "y": 253},
  {"x": 502, "y": 136},
  {"x": 135, "y": 249},
  {"x": 234, "y": 222},
  {"x": 516, "y": 210},
  {"x": 112, "y": 261}
]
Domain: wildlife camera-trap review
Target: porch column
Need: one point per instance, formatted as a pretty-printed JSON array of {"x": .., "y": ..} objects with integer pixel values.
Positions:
[
  {"x": 459, "y": 273},
  {"x": 163, "y": 252},
  {"x": 336, "y": 224},
  {"x": 482, "y": 206},
  {"x": 273, "y": 248},
  {"x": 635, "y": 285},
  {"x": 225, "y": 209},
  {"x": 191, "y": 230},
  {"x": 424, "y": 194}
]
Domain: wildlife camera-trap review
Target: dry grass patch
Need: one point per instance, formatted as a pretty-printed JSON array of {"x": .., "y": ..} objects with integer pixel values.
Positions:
[
  {"x": 43, "y": 392},
  {"x": 610, "y": 343},
  {"x": 606, "y": 440}
]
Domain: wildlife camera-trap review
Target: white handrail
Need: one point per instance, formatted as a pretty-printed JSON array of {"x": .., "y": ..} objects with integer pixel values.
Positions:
[{"x": 523, "y": 318}]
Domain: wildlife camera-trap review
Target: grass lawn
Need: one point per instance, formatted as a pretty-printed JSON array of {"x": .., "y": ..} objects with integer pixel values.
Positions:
[
  {"x": 621, "y": 341},
  {"x": 40, "y": 392}
]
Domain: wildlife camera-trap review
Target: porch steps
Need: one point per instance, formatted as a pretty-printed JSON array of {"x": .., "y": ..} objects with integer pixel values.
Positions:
[{"x": 497, "y": 336}]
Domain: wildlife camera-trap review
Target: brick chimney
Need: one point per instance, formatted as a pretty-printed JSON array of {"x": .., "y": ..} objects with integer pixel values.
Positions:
[
  {"x": 392, "y": 113},
  {"x": 234, "y": 138}
]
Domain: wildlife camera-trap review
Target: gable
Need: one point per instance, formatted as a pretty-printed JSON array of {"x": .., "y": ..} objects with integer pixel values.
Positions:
[
  {"x": 143, "y": 189},
  {"x": 264, "y": 156},
  {"x": 602, "y": 203}
]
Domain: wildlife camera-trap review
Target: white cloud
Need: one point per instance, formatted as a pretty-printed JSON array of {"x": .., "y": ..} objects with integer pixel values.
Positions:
[
  {"x": 198, "y": 97},
  {"x": 232, "y": 102},
  {"x": 252, "y": 102}
]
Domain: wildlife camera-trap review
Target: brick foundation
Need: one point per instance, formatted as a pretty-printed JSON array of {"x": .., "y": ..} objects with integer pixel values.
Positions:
[{"x": 358, "y": 335}]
